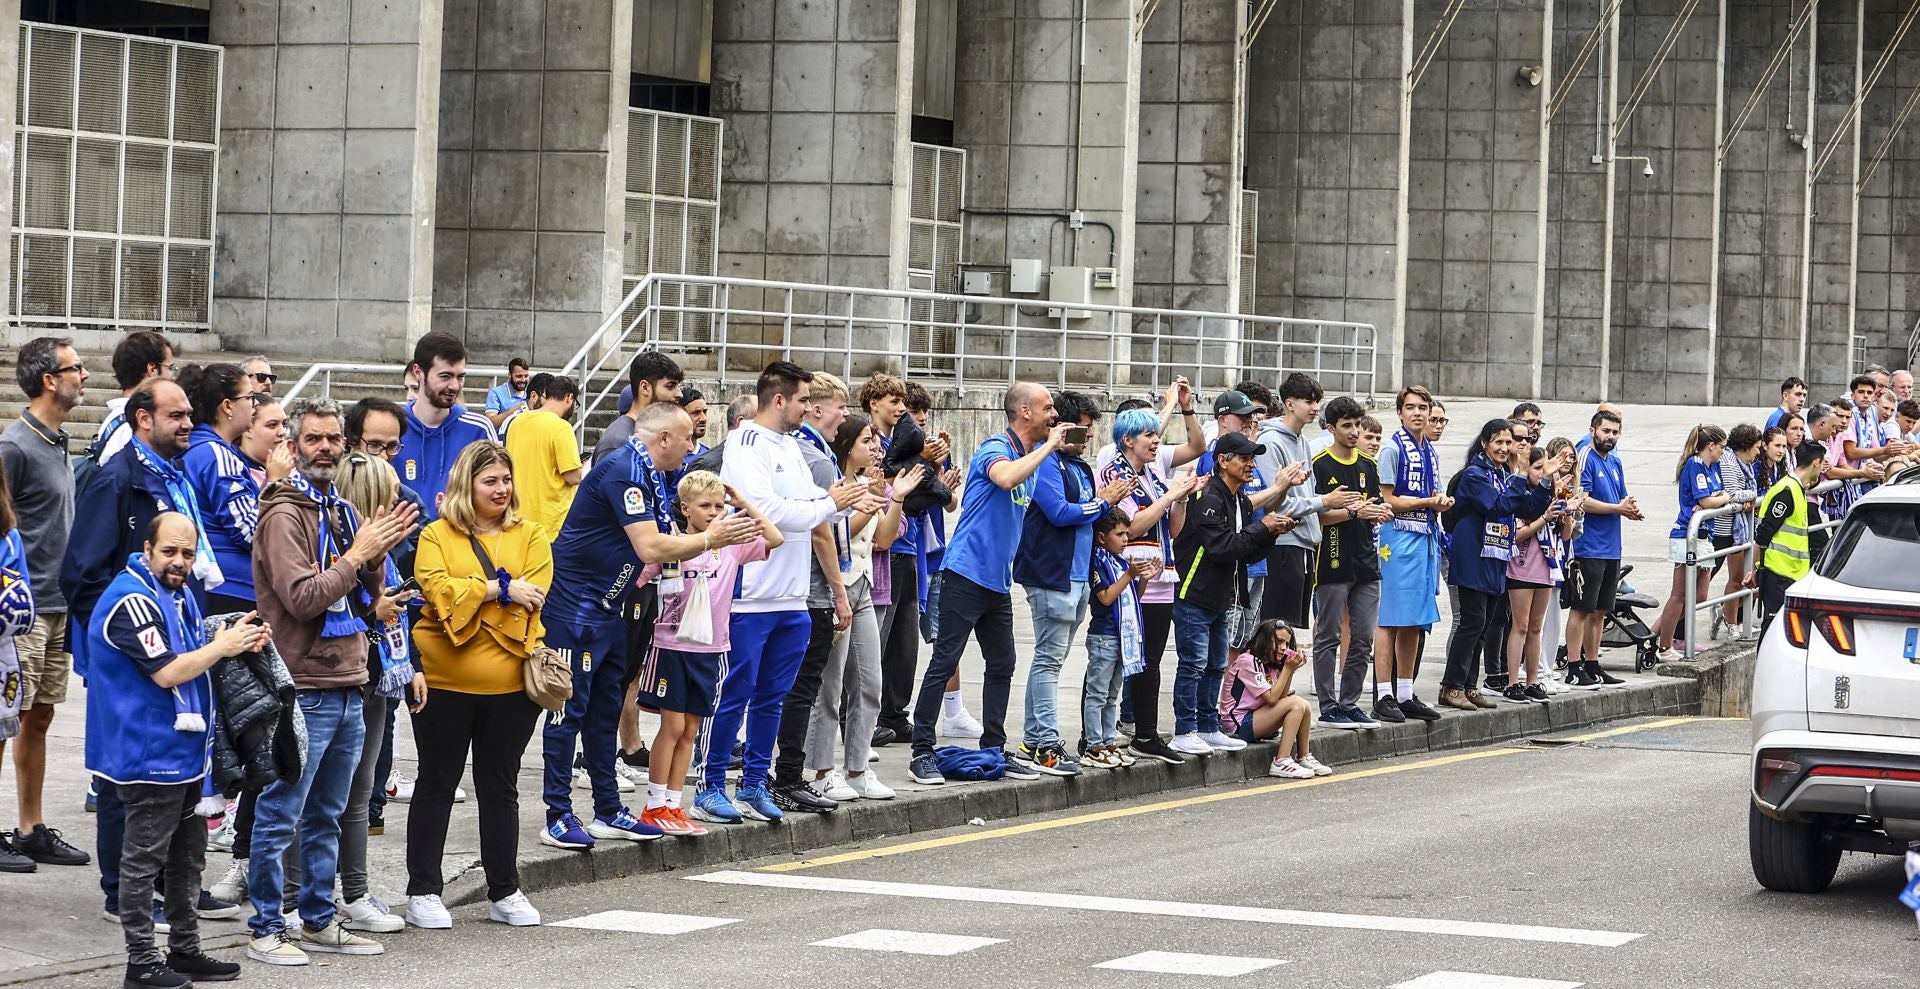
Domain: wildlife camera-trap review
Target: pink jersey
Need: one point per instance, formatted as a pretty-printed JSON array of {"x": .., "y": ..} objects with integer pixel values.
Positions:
[{"x": 720, "y": 567}]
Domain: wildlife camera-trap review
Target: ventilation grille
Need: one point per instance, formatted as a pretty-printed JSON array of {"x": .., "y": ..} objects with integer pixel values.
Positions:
[
  {"x": 1249, "y": 248},
  {"x": 673, "y": 214},
  {"x": 933, "y": 253},
  {"x": 118, "y": 141}
]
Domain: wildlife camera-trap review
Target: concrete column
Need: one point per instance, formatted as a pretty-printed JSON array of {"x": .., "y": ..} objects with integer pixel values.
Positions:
[
  {"x": 1888, "y": 269},
  {"x": 1474, "y": 204},
  {"x": 532, "y": 172},
  {"x": 1830, "y": 248},
  {"x": 1326, "y": 151},
  {"x": 327, "y": 178},
  {"x": 1574, "y": 307},
  {"x": 1186, "y": 250},
  {"x": 1663, "y": 261}
]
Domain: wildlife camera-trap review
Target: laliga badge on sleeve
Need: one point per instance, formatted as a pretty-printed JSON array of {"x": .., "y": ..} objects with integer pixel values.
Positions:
[{"x": 634, "y": 501}]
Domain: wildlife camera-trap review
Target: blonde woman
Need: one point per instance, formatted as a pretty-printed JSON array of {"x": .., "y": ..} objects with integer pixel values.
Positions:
[{"x": 484, "y": 573}]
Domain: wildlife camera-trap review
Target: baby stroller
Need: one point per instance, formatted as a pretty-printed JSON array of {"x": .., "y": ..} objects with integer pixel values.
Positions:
[{"x": 1624, "y": 626}]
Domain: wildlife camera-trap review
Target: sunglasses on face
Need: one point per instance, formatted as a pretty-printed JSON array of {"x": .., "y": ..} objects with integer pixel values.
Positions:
[{"x": 264, "y": 377}]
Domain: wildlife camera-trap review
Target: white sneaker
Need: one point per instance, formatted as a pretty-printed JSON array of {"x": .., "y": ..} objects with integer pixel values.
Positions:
[
  {"x": 336, "y": 939},
  {"x": 1222, "y": 742},
  {"x": 834, "y": 787},
  {"x": 581, "y": 781},
  {"x": 869, "y": 787},
  {"x": 221, "y": 835},
  {"x": 278, "y": 948},
  {"x": 428, "y": 913},
  {"x": 514, "y": 911},
  {"x": 962, "y": 725},
  {"x": 1287, "y": 769},
  {"x": 1319, "y": 768},
  {"x": 399, "y": 788},
  {"x": 232, "y": 887},
  {"x": 629, "y": 774},
  {"x": 1190, "y": 744},
  {"x": 369, "y": 915}
]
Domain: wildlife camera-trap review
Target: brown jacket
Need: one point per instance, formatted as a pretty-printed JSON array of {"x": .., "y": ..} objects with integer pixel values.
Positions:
[{"x": 294, "y": 593}]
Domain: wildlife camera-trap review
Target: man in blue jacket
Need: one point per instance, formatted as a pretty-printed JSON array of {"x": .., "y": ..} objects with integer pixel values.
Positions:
[
  {"x": 438, "y": 427},
  {"x": 1056, "y": 551},
  {"x": 149, "y": 681},
  {"x": 140, "y": 482}
]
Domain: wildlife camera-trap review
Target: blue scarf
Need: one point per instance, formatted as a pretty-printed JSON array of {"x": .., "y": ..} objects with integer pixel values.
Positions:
[
  {"x": 812, "y": 435},
  {"x": 396, "y": 663},
  {"x": 1126, "y": 614},
  {"x": 1148, "y": 491},
  {"x": 1496, "y": 534},
  {"x": 660, "y": 483},
  {"x": 206, "y": 569},
  {"x": 1416, "y": 480},
  {"x": 182, "y": 618},
  {"x": 340, "y": 619},
  {"x": 842, "y": 537}
]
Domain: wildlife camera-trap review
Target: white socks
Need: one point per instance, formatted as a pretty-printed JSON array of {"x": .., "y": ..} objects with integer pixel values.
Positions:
[
  {"x": 673, "y": 799},
  {"x": 951, "y": 705},
  {"x": 1381, "y": 690},
  {"x": 656, "y": 795},
  {"x": 1403, "y": 690}
]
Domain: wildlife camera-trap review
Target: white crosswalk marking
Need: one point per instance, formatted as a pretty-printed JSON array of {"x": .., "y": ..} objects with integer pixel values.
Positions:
[
  {"x": 909, "y": 942},
  {"x": 1169, "y": 908},
  {"x": 1474, "y": 980},
  {"x": 1182, "y": 963},
  {"x": 641, "y": 922}
]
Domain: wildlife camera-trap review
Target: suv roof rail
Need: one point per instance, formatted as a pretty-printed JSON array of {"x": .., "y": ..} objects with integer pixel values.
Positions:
[{"x": 1908, "y": 475}]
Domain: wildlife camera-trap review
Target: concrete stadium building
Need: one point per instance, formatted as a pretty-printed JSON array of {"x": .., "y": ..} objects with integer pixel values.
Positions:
[{"x": 1666, "y": 201}]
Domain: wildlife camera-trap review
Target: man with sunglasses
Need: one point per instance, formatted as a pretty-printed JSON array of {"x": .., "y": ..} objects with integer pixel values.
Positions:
[{"x": 260, "y": 372}]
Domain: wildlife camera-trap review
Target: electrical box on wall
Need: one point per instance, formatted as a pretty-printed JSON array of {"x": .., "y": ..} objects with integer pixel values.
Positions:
[
  {"x": 976, "y": 282},
  {"x": 1070, "y": 283},
  {"x": 1106, "y": 278},
  {"x": 1023, "y": 276}
]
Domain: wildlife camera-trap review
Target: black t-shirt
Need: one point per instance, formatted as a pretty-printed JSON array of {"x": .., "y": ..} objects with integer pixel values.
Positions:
[
  {"x": 136, "y": 628},
  {"x": 1348, "y": 550}
]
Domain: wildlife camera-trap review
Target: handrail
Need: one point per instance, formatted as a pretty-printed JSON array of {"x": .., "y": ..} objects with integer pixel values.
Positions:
[
  {"x": 327, "y": 369},
  {"x": 1695, "y": 559}
]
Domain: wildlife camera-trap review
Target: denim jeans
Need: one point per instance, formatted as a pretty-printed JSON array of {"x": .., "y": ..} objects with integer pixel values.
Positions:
[
  {"x": 163, "y": 837},
  {"x": 1056, "y": 615},
  {"x": 1200, "y": 641},
  {"x": 1100, "y": 695},
  {"x": 312, "y": 806}
]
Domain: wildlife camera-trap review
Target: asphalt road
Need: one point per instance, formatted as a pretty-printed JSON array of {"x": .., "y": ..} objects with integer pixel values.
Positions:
[{"x": 1619, "y": 861}]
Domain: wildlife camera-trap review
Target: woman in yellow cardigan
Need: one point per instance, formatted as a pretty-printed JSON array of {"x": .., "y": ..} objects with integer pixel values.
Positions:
[{"x": 481, "y": 621}]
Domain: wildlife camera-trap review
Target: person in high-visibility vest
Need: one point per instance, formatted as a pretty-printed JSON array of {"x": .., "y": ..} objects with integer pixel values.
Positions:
[{"x": 1785, "y": 538}]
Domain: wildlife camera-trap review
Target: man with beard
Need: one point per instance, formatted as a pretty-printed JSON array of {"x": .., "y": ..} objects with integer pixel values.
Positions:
[
  {"x": 315, "y": 564},
  {"x": 546, "y": 455},
  {"x": 34, "y": 451},
  {"x": 150, "y": 683},
  {"x": 438, "y": 426},
  {"x": 138, "y": 484},
  {"x": 1596, "y": 569}
]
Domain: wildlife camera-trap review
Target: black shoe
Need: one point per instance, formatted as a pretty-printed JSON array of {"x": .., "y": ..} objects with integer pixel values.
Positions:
[
  {"x": 738, "y": 760},
  {"x": 1151, "y": 746},
  {"x": 882, "y": 735},
  {"x": 639, "y": 758},
  {"x": 212, "y": 907},
  {"x": 1580, "y": 679},
  {"x": 154, "y": 975},
  {"x": 1495, "y": 684},
  {"x": 1515, "y": 694},
  {"x": 1606, "y": 679},
  {"x": 801, "y": 798},
  {"x": 1386, "y": 709},
  {"x": 925, "y": 770},
  {"x": 46, "y": 847},
  {"x": 12, "y": 861},
  {"x": 1417, "y": 709},
  {"x": 200, "y": 968},
  {"x": 376, "y": 825},
  {"x": 1536, "y": 692}
]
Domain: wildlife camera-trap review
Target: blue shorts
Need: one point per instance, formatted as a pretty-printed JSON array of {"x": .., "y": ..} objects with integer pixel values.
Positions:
[
  {"x": 681, "y": 682},
  {"x": 1409, "y": 578}
]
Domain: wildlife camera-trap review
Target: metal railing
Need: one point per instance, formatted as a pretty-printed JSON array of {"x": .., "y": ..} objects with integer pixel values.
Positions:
[
  {"x": 325, "y": 372},
  {"x": 732, "y": 327},
  {"x": 1749, "y": 616}
]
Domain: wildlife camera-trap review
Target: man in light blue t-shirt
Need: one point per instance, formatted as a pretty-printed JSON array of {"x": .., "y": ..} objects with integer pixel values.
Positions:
[
  {"x": 1596, "y": 552},
  {"x": 509, "y": 395},
  {"x": 978, "y": 572}
]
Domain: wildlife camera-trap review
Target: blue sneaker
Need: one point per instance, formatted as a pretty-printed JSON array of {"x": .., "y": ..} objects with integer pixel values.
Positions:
[
  {"x": 1335, "y": 718},
  {"x": 925, "y": 770},
  {"x": 710, "y": 804},
  {"x": 756, "y": 803},
  {"x": 623, "y": 826},
  {"x": 566, "y": 832},
  {"x": 1360, "y": 719}
]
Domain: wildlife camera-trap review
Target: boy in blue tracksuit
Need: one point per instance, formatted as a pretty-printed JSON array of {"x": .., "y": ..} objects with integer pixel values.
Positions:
[{"x": 438, "y": 427}]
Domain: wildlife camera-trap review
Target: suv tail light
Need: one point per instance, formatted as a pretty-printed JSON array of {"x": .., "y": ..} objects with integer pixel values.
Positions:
[
  {"x": 1835, "y": 620},
  {"x": 1773, "y": 765}
]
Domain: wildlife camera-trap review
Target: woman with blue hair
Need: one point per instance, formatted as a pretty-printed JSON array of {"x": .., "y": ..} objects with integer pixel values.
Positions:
[{"x": 1155, "y": 511}]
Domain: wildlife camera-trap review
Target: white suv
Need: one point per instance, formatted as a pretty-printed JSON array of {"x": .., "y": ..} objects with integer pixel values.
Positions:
[{"x": 1836, "y": 702}]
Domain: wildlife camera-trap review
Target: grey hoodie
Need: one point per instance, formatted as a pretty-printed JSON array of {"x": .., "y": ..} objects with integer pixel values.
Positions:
[
  {"x": 1284, "y": 446},
  {"x": 825, "y": 473}
]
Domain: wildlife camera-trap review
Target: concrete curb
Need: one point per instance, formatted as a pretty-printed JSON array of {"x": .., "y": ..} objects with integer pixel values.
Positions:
[{"x": 544, "y": 868}]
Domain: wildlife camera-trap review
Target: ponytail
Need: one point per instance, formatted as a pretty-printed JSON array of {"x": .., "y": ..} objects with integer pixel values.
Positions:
[{"x": 1702, "y": 436}]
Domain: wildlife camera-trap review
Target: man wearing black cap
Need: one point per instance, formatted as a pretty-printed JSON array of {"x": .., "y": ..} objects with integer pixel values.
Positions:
[
  {"x": 1235, "y": 411},
  {"x": 1221, "y": 537}
]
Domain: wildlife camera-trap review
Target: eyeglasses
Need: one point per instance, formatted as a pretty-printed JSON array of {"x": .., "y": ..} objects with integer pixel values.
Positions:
[
  {"x": 381, "y": 447},
  {"x": 81, "y": 368},
  {"x": 264, "y": 377},
  {"x": 1437, "y": 420},
  {"x": 166, "y": 368}
]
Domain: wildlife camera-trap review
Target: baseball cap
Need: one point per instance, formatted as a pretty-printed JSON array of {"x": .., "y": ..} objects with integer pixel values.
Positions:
[
  {"x": 1237, "y": 444},
  {"x": 1233, "y": 403}
]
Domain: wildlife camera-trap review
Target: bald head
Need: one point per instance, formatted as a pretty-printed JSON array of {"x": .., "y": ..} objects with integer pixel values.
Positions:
[
  {"x": 666, "y": 431},
  {"x": 1029, "y": 410},
  {"x": 171, "y": 541}
]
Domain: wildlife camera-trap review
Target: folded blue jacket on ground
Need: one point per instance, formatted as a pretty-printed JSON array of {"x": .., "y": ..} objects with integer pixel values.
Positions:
[{"x": 957, "y": 763}]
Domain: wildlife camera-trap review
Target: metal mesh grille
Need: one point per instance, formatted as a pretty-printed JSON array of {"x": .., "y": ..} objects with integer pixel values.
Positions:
[
  {"x": 639, "y": 236},
  {"x": 673, "y": 206},
  {"x": 1249, "y": 249},
  {"x": 640, "y": 152},
  {"x": 938, "y": 190},
  {"x": 703, "y": 160},
  {"x": 669, "y": 236},
  {"x": 670, "y": 157},
  {"x": 703, "y": 234},
  {"x": 118, "y": 145}
]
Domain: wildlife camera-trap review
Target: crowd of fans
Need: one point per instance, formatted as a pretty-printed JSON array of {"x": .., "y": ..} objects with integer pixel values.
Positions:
[{"x": 255, "y": 591}]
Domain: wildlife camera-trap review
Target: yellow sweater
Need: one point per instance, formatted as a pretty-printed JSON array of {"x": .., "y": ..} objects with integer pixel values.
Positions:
[{"x": 466, "y": 642}]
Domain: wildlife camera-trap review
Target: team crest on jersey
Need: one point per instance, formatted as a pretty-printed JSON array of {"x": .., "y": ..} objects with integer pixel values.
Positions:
[
  {"x": 635, "y": 501},
  {"x": 586, "y": 662},
  {"x": 413, "y": 471},
  {"x": 153, "y": 641}
]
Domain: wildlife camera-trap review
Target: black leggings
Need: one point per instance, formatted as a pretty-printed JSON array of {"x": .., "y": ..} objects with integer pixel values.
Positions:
[
  {"x": 1469, "y": 631},
  {"x": 496, "y": 727},
  {"x": 1144, "y": 687}
]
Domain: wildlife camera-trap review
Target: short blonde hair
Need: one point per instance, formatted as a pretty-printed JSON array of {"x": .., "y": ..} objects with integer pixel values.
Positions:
[
  {"x": 456, "y": 506},
  {"x": 368, "y": 483},
  {"x": 699, "y": 484},
  {"x": 827, "y": 388}
]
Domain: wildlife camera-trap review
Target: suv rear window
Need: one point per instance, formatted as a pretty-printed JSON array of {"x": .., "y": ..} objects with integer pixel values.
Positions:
[{"x": 1875, "y": 548}]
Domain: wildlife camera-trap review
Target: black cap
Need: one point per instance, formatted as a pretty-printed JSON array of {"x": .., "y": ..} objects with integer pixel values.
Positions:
[
  {"x": 1233, "y": 403},
  {"x": 1237, "y": 444}
]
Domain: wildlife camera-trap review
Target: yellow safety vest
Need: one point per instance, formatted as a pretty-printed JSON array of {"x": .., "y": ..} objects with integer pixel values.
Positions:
[{"x": 1788, "y": 554}]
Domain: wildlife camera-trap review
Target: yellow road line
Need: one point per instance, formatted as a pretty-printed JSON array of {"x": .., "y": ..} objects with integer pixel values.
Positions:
[
  {"x": 1034, "y": 827},
  {"x": 1630, "y": 729}
]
